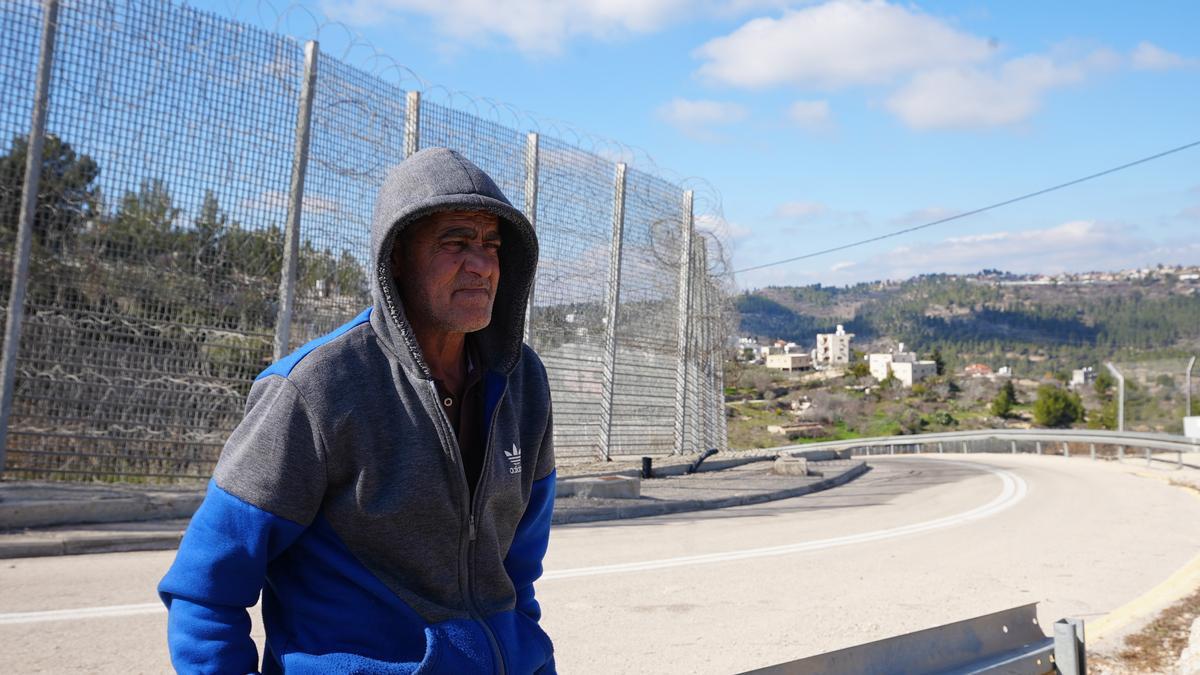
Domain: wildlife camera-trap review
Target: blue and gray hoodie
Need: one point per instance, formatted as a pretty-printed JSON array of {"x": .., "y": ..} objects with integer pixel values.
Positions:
[{"x": 341, "y": 496}]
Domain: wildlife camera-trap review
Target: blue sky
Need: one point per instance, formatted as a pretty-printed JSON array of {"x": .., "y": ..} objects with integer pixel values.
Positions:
[{"x": 821, "y": 123}]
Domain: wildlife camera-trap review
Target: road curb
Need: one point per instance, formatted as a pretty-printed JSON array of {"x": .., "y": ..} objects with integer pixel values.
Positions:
[
  {"x": 43, "y": 544},
  {"x": 643, "y": 510}
]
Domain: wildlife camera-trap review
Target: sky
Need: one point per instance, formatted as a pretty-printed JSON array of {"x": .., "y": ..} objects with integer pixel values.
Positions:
[{"x": 824, "y": 123}]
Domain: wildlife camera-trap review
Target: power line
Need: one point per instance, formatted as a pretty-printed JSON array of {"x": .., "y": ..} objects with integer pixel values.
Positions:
[{"x": 972, "y": 212}]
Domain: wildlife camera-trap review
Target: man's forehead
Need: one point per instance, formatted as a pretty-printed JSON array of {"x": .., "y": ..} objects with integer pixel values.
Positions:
[{"x": 452, "y": 222}]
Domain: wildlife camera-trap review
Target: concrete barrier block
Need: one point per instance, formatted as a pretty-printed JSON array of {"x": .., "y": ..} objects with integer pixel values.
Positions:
[
  {"x": 787, "y": 465},
  {"x": 601, "y": 487}
]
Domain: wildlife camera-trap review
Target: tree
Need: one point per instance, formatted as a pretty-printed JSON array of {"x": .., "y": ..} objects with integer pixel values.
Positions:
[
  {"x": 1005, "y": 399},
  {"x": 1056, "y": 407},
  {"x": 859, "y": 368},
  {"x": 936, "y": 357},
  {"x": 66, "y": 201},
  {"x": 1104, "y": 383},
  {"x": 143, "y": 228}
]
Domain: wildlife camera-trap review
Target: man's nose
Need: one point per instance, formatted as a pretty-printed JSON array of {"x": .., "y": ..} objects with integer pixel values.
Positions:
[{"x": 481, "y": 261}]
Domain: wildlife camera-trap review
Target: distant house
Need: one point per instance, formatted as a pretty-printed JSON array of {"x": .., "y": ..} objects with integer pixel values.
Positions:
[
  {"x": 833, "y": 348},
  {"x": 1082, "y": 377},
  {"x": 978, "y": 370},
  {"x": 789, "y": 362},
  {"x": 903, "y": 365}
]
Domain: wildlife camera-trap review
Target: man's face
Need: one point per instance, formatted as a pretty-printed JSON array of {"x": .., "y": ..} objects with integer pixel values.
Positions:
[{"x": 447, "y": 266}]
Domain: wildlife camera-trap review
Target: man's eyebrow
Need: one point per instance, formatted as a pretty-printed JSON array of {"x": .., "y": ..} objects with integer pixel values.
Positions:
[{"x": 469, "y": 233}]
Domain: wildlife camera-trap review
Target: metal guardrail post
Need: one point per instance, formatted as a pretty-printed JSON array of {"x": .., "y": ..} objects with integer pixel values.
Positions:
[
  {"x": 684, "y": 320},
  {"x": 940, "y": 450},
  {"x": 291, "y": 235},
  {"x": 1120, "y": 395},
  {"x": 1013, "y": 447},
  {"x": 612, "y": 305},
  {"x": 531, "y": 196},
  {"x": 1092, "y": 448},
  {"x": 964, "y": 447},
  {"x": 1120, "y": 453},
  {"x": 1038, "y": 445},
  {"x": 1070, "y": 657},
  {"x": 1147, "y": 456},
  {"x": 412, "y": 123},
  {"x": 28, "y": 212},
  {"x": 1066, "y": 450}
]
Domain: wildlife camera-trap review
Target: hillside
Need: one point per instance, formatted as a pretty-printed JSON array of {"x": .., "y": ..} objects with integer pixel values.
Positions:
[{"x": 1056, "y": 322}]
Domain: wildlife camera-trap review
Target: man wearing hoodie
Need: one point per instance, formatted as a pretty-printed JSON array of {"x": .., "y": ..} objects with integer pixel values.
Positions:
[{"x": 389, "y": 490}]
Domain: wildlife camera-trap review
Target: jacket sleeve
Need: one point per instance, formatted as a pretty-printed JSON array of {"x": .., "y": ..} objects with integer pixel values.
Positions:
[
  {"x": 524, "y": 560},
  {"x": 266, "y": 489}
]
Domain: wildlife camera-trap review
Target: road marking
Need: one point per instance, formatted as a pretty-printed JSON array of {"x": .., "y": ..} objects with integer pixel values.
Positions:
[
  {"x": 82, "y": 613},
  {"x": 1013, "y": 491}
]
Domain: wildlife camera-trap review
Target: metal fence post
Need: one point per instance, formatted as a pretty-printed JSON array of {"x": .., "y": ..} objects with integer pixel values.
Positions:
[
  {"x": 291, "y": 235},
  {"x": 1187, "y": 388},
  {"x": 412, "y": 123},
  {"x": 684, "y": 321},
  {"x": 612, "y": 314},
  {"x": 1120, "y": 395},
  {"x": 24, "y": 244},
  {"x": 531, "y": 195}
]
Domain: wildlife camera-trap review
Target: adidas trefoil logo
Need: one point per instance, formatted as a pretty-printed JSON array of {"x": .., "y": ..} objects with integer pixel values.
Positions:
[{"x": 514, "y": 459}]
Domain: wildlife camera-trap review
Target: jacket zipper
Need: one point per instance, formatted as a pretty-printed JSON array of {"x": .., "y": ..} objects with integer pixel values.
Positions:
[{"x": 467, "y": 550}]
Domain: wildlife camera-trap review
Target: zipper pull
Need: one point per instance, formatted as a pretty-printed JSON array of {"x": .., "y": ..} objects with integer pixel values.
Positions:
[{"x": 471, "y": 527}]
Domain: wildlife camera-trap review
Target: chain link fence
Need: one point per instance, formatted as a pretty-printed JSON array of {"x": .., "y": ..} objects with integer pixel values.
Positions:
[{"x": 189, "y": 163}]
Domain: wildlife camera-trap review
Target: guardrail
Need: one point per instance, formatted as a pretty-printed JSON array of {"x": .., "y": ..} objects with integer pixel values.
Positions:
[
  {"x": 1009, "y": 642},
  {"x": 1019, "y": 440}
]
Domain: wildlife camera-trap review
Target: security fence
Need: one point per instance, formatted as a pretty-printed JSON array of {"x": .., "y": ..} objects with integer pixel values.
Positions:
[{"x": 198, "y": 203}]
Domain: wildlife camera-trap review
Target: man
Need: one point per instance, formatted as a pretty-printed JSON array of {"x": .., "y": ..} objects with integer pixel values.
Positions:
[{"x": 392, "y": 482}]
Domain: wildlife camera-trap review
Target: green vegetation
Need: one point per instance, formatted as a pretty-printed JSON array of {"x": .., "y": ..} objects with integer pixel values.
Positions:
[
  {"x": 1056, "y": 407},
  {"x": 1004, "y": 401}
]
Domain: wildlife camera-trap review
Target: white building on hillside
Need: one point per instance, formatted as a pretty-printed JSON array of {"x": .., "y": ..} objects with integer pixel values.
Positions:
[
  {"x": 903, "y": 365},
  {"x": 834, "y": 348}
]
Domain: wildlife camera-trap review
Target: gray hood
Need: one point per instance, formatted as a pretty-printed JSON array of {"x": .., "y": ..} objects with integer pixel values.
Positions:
[{"x": 438, "y": 179}]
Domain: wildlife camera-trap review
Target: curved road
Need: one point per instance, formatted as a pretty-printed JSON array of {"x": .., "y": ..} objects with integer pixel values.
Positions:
[{"x": 917, "y": 542}]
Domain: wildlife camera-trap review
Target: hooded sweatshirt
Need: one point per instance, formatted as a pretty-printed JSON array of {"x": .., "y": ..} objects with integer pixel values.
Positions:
[{"x": 342, "y": 498}]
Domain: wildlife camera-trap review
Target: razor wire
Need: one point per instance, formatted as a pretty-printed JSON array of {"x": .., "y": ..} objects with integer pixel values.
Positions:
[{"x": 155, "y": 289}]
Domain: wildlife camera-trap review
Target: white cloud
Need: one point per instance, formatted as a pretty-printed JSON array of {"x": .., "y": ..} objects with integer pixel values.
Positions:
[
  {"x": 686, "y": 113},
  {"x": 969, "y": 97},
  {"x": 697, "y": 118},
  {"x": 1074, "y": 246},
  {"x": 836, "y": 44},
  {"x": 533, "y": 26},
  {"x": 724, "y": 230},
  {"x": 925, "y": 215},
  {"x": 1148, "y": 56},
  {"x": 799, "y": 210},
  {"x": 812, "y": 115}
]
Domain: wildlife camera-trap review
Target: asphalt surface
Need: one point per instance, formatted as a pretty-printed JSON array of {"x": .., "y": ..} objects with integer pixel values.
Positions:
[{"x": 914, "y": 543}]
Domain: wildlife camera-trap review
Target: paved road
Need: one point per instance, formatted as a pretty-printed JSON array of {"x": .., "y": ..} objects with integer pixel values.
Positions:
[{"x": 915, "y": 543}]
